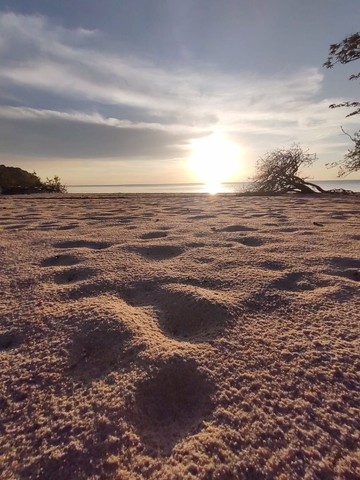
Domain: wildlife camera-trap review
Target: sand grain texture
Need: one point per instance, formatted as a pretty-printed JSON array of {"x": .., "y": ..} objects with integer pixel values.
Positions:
[{"x": 179, "y": 337}]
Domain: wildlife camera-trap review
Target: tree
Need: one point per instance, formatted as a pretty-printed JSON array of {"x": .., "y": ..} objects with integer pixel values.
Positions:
[
  {"x": 13, "y": 177},
  {"x": 345, "y": 52},
  {"x": 278, "y": 172},
  {"x": 54, "y": 185},
  {"x": 14, "y": 180}
]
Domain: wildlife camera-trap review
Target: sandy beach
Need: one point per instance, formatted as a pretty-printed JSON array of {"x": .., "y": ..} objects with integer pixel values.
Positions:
[{"x": 179, "y": 337}]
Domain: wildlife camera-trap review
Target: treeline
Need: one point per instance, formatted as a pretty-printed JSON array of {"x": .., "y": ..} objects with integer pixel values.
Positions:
[{"x": 14, "y": 180}]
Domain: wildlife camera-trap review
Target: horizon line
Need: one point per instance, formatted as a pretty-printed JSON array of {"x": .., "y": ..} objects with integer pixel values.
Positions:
[{"x": 187, "y": 183}]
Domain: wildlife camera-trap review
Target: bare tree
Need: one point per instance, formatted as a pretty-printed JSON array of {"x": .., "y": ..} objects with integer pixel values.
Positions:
[{"x": 278, "y": 172}]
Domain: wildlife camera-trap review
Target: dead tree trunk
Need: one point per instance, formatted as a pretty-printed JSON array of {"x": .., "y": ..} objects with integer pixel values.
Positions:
[{"x": 304, "y": 186}]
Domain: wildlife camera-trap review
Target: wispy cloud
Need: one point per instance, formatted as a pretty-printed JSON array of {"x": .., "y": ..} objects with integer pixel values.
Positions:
[
  {"x": 38, "y": 56},
  {"x": 43, "y": 133}
]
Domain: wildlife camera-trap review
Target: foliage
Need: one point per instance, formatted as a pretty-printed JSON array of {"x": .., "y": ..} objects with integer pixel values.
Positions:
[
  {"x": 351, "y": 162},
  {"x": 15, "y": 180},
  {"x": 278, "y": 172},
  {"x": 14, "y": 176},
  {"x": 345, "y": 52},
  {"x": 54, "y": 185}
]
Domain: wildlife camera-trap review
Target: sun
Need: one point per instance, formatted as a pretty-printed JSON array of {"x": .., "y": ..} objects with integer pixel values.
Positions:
[{"x": 214, "y": 159}]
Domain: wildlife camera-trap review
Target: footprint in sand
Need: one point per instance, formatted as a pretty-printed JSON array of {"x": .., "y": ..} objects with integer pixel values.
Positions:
[
  {"x": 156, "y": 234},
  {"x": 350, "y": 273},
  {"x": 172, "y": 402},
  {"x": 60, "y": 261},
  {"x": 249, "y": 241},
  {"x": 196, "y": 244},
  {"x": 288, "y": 230},
  {"x": 127, "y": 219},
  {"x": 158, "y": 252},
  {"x": 345, "y": 262},
  {"x": 93, "y": 245},
  {"x": 259, "y": 215},
  {"x": 346, "y": 267},
  {"x": 339, "y": 216},
  {"x": 47, "y": 226},
  {"x": 14, "y": 227},
  {"x": 9, "y": 339},
  {"x": 70, "y": 226},
  {"x": 97, "y": 348},
  {"x": 91, "y": 289},
  {"x": 267, "y": 301},
  {"x": 273, "y": 265},
  {"x": 201, "y": 217},
  {"x": 298, "y": 281},
  {"x": 237, "y": 228},
  {"x": 190, "y": 313},
  {"x": 73, "y": 275}
]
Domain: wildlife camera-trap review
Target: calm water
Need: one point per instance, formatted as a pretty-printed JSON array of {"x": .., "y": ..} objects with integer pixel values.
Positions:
[{"x": 353, "y": 185}]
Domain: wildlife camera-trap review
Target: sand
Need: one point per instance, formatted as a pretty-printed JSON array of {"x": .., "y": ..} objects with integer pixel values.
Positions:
[{"x": 179, "y": 337}]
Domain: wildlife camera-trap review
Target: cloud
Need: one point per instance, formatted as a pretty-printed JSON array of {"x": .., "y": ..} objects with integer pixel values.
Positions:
[
  {"x": 38, "y": 56},
  {"x": 42, "y": 133},
  {"x": 47, "y": 57}
]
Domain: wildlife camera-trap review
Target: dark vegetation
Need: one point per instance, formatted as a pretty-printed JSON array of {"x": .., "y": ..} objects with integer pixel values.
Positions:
[
  {"x": 14, "y": 180},
  {"x": 278, "y": 172}
]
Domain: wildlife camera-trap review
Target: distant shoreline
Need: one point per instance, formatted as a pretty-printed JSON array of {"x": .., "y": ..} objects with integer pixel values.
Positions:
[
  {"x": 225, "y": 187},
  {"x": 189, "y": 183}
]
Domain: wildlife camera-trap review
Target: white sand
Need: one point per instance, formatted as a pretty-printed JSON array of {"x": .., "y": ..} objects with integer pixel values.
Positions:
[{"x": 179, "y": 337}]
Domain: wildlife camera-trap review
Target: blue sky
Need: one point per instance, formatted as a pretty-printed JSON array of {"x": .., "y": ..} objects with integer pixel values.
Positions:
[{"x": 119, "y": 91}]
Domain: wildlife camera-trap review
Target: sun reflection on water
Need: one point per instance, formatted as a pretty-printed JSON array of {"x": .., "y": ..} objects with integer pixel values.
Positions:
[{"x": 212, "y": 187}]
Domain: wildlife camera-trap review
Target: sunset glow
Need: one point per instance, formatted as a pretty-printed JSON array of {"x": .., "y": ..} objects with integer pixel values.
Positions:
[
  {"x": 129, "y": 94},
  {"x": 214, "y": 159}
]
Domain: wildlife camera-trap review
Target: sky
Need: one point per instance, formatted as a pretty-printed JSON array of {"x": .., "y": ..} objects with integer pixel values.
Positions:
[{"x": 171, "y": 91}]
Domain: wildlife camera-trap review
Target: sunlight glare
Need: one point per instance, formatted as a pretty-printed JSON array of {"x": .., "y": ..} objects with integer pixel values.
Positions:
[
  {"x": 213, "y": 187},
  {"x": 214, "y": 160}
]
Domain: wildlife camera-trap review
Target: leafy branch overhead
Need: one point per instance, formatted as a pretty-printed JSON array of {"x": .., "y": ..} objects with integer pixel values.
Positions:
[{"x": 345, "y": 52}]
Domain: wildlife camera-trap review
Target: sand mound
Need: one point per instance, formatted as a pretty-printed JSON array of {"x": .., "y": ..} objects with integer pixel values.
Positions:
[{"x": 190, "y": 313}]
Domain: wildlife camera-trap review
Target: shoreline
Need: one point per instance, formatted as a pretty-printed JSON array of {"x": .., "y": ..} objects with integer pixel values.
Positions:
[{"x": 70, "y": 196}]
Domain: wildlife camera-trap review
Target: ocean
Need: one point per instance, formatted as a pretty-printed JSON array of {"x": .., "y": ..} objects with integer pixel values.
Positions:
[{"x": 353, "y": 185}]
